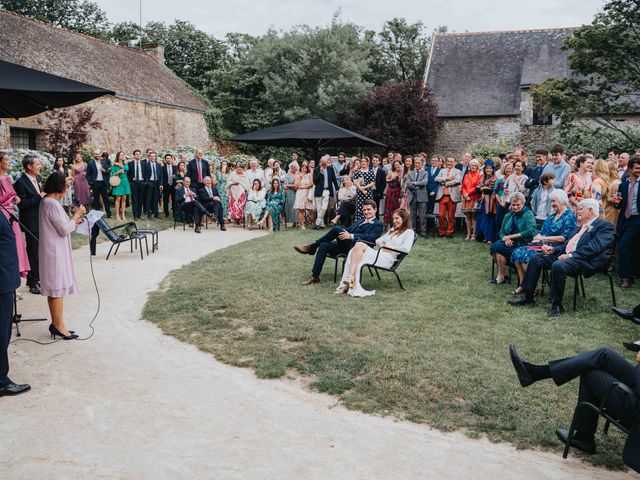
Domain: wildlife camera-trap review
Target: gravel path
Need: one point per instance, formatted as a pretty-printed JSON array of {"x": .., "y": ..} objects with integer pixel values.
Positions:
[{"x": 132, "y": 403}]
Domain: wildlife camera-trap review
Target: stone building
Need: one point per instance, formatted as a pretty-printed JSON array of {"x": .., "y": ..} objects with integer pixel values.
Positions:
[
  {"x": 481, "y": 83},
  {"x": 152, "y": 106}
]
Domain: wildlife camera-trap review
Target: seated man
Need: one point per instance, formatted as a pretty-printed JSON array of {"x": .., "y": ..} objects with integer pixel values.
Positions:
[
  {"x": 632, "y": 314},
  {"x": 586, "y": 251},
  {"x": 210, "y": 199},
  {"x": 340, "y": 240},
  {"x": 597, "y": 370},
  {"x": 186, "y": 201}
]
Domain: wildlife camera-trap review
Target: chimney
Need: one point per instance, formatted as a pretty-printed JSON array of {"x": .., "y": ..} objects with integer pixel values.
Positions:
[{"x": 155, "y": 50}]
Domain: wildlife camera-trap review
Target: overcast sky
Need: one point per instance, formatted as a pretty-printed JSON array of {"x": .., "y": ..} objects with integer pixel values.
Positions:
[{"x": 257, "y": 16}]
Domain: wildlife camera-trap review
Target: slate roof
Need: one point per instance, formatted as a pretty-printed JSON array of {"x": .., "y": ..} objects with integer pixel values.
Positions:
[
  {"x": 132, "y": 74},
  {"x": 482, "y": 74}
]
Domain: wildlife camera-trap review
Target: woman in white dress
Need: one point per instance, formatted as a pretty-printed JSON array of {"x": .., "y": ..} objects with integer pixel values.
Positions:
[{"x": 399, "y": 238}]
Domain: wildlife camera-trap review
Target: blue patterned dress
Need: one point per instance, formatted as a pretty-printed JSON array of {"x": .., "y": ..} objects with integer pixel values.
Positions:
[{"x": 561, "y": 227}]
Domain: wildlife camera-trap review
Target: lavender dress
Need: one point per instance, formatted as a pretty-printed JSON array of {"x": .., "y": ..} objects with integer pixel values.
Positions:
[
  {"x": 81, "y": 188},
  {"x": 57, "y": 275}
]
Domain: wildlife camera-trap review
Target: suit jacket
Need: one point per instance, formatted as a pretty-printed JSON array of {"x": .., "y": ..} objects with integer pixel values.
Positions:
[
  {"x": 318, "y": 181},
  {"x": 432, "y": 186},
  {"x": 9, "y": 271},
  {"x": 204, "y": 197},
  {"x": 147, "y": 172},
  {"x": 417, "y": 186},
  {"x": 180, "y": 198},
  {"x": 632, "y": 446},
  {"x": 132, "y": 169},
  {"x": 192, "y": 170},
  {"x": 29, "y": 205},
  {"x": 165, "y": 175},
  {"x": 533, "y": 180},
  {"x": 594, "y": 247},
  {"x": 92, "y": 172},
  {"x": 381, "y": 181},
  {"x": 623, "y": 190},
  {"x": 454, "y": 184},
  {"x": 368, "y": 232}
]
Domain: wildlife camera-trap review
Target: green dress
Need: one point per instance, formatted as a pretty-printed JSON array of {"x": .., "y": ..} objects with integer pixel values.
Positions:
[
  {"x": 275, "y": 203},
  {"x": 123, "y": 188},
  {"x": 224, "y": 194}
]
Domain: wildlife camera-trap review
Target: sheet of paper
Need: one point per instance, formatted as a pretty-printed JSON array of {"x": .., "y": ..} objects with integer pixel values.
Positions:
[{"x": 89, "y": 220}]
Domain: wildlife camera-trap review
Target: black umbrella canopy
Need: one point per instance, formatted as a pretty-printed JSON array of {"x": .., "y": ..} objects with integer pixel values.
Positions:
[
  {"x": 313, "y": 133},
  {"x": 25, "y": 91}
]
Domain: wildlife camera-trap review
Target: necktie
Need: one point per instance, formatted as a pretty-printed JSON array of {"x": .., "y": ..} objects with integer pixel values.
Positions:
[
  {"x": 169, "y": 175},
  {"x": 574, "y": 240},
  {"x": 209, "y": 192},
  {"x": 35, "y": 184},
  {"x": 627, "y": 210},
  {"x": 137, "y": 170},
  {"x": 199, "y": 171}
]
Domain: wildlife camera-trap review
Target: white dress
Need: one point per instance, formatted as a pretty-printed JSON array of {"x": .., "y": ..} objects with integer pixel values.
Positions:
[{"x": 402, "y": 242}]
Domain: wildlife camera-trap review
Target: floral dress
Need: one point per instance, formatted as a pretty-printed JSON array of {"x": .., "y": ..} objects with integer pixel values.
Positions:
[
  {"x": 562, "y": 227},
  {"x": 392, "y": 199},
  {"x": 578, "y": 187},
  {"x": 275, "y": 203},
  {"x": 364, "y": 178},
  {"x": 223, "y": 192}
]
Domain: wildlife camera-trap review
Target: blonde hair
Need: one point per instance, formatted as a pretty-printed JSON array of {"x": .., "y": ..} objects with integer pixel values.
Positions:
[
  {"x": 601, "y": 171},
  {"x": 613, "y": 171}
]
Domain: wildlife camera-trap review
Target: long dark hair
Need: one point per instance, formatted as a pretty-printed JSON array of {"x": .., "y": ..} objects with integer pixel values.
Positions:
[
  {"x": 406, "y": 222},
  {"x": 273, "y": 183}
]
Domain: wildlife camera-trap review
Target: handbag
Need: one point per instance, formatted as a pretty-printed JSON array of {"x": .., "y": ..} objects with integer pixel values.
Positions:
[{"x": 114, "y": 181}]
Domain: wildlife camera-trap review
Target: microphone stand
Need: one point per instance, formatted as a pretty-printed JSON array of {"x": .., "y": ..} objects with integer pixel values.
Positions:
[{"x": 17, "y": 317}]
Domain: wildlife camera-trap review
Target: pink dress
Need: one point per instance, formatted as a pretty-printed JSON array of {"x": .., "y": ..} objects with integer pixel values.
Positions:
[
  {"x": 57, "y": 275},
  {"x": 81, "y": 186},
  {"x": 6, "y": 195}
]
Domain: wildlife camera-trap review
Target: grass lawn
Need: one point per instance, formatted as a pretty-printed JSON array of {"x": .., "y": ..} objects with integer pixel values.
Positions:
[{"x": 435, "y": 353}]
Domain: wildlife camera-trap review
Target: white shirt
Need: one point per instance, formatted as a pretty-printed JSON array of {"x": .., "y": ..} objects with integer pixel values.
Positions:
[
  {"x": 169, "y": 174},
  {"x": 152, "y": 165},
  {"x": 541, "y": 214},
  {"x": 99, "y": 168},
  {"x": 187, "y": 199},
  {"x": 137, "y": 173}
]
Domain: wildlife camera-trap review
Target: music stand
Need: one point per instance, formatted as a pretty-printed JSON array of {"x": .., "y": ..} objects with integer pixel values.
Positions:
[{"x": 17, "y": 317}]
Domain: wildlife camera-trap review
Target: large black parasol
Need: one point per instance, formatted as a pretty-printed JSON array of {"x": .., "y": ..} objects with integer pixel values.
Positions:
[{"x": 25, "y": 91}]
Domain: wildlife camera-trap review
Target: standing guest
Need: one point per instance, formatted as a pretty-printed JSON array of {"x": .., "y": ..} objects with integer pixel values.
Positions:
[
  {"x": 340, "y": 240},
  {"x": 623, "y": 166},
  {"x": 136, "y": 176},
  {"x": 268, "y": 171},
  {"x": 463, "y": 166},
  {"x": 58, "y": 277},
  {"x": 153, "y": 177},
  {"x": 168, "y": 185},
  {"x": 181, "y": 173},
  {"x": 353, "y": 167},
  {"x": 197, "y": 169},
  {"x": 254, "y": 206},
  {"x": 81, "y": 188},
  {"x": 278, "y": 172},
  {"x": 542, "y": 157},
  {"x": 394, "y": 191},
  {"x": 290, "y": 193},
  {"x": 274, "y": 204},
  {"x": 121, "y": 191},
  {"x": 399, "y": 239},
  {"x": 417, "y": 198},
  {"x": 628, "y": 222},
  {"x": 98, "y": 178},
  {"x": 432, "y": 187},
  {"x": 222, "y": 176},
  {"x": 502, "y": 193},
  {"x": 556, "y": 228},
  {"x": 408, "y": 167},
  {"x": 601, "y": 185},
  {"x": 516, "y": 181},
  {"x": 518, "y": 228},
  {"x": 28, "y": 189},
  {"x": 611, "y": 212},
  {"x": 578, "y": 183},
  {"x": 9, "y": 283},
  {"x": 67, "y": 201},
  {"x": 486, "y": 222},
  {"x": 325, "y": 187},
  {"x": 541, "y": 197},
  {"x": 210, "y": 199},
  {"x": 187, "y": 202},
  {"x": 339, "y": 164},
  {"x": 448, "y": 196},
  {"x": 470, "y": 197},
  {"x": 303, "y": 185},
  {"x": 558, "y": 166},
  {"x": 255, "y": 172},
  {"x": 238, "y": 185},
  {"x": 364, "y": 181},
  {"x": 346, "y": 203},
  {"x": 380, "y": 179},
  {"x": 9, "y": 199}
]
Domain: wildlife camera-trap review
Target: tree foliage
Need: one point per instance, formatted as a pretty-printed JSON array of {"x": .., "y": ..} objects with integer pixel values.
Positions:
[
  {"x": 67, "y": 130},
  {"x": 402, "y": 115}
]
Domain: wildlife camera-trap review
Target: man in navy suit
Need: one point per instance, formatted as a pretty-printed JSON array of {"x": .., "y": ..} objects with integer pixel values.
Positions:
[
  {"x": 135, "y": 174},
  {"x": 380, "y": 180},
  {"x": 432, "y": 185},
  {"x": 197, "y": 169},
  {"x": 339, "y": 240},
  {"x": 9, "y": 282},
  {"x": 628, "y": 221},
  {"x": 98, "y": 178},
  {"x": 153, "y": 178},
  {"x": 168, "y": 185},
  {"x": 586, "y": 251},
  {"x": 210, "y": 199}
]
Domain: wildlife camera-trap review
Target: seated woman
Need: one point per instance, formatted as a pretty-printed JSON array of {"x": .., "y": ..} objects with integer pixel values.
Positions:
[
  {"x": 274, "y": 205},
  {"x": 346, "y": 203},
  {"x": 398, "y": 239},
  {"x": 555, "y": 230},
  {"x": 518, "y": 228},
  {"x": 255, "y": 203}
]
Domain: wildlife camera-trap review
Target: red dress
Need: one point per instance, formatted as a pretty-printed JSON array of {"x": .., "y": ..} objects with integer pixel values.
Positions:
[
  {"x": 392, "y": 199},
  {"x": 469, "y": 185},
  {"x": 6, "y": 196}
]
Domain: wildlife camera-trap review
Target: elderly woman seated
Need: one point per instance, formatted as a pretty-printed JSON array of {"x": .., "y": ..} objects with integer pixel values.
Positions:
[
  {"x": 518, "y": 228},
  {"x": 555, "y": 230},
  {"x": 399, "y": 239}
]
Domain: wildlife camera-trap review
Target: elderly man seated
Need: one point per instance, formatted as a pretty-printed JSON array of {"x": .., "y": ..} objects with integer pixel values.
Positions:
[
  {"x": 187, "y": 202},
  {"x": 586, "y": 251},
  {"x": 210, "y": 200}
]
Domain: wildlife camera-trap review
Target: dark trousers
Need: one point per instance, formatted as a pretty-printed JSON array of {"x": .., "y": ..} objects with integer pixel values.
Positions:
[
  {"x": 33, "y": 277},
  {"x": 418, "y": 211},
  {"x": 629, "y": 236},
  {"x": 169, "y": 198},
  {"x": 6, "y": 319},
  {"x": 597, "y": 370},
  {"x": 195, "y": 209},
  {"x": 99, "y": 190},
  {"x": 329, "y": 244},
  {"x": 138, "y": 192},
  {"x": 214, "y": 207},
  {"x": 377, "y": 197},
  {"x": 152, "y": 197},
  {"x": 346, "y": 210}
]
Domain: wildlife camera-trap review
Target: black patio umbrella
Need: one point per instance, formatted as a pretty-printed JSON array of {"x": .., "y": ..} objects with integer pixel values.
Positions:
[
  {"x": 312, "y": 133},
  {"x": 25, "y": 91}
]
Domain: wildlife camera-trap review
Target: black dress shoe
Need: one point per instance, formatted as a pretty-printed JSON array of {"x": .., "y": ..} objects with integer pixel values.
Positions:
[
  {"x": 223, "y": 228},
  {"x": 523, "y": 374},
  {"x": 583, "y": 445},
  {"x": 35, "y": 290},
  {"x": 626, "y": 313},
  {"x": 197, "y": 229},
  {"x": 556, "y": 310},
  {"x": 633, "y": 346},
  {"x": 14, "y": 389},
  {"x": 521, "y": 301}
]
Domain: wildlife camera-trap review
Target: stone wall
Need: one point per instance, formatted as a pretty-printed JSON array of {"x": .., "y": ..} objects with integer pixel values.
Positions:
[{"x": 127, "y": 125}]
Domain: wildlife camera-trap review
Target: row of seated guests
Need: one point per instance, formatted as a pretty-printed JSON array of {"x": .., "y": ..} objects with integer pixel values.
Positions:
[{"x": 195, "y": 202}]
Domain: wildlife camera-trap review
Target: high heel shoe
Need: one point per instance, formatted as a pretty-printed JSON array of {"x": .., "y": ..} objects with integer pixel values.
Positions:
[
  {"x": 349, "y": 282},
  {"x": 56, "y": 333}
]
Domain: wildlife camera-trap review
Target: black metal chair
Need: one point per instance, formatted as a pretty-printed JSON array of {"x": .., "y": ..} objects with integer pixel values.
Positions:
[
  {"x": 602, "y": 411},
  {"x": 510, "y": 269},
  {"x": 155, "y": 237},
  {"x": 373, "y": 267},
  {"x": 337, "y": 258},
  {"x": 127, "y": 232}
]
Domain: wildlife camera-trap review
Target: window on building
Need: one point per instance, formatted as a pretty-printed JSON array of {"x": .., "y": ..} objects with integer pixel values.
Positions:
[
  {"x": 23, "y": 138},
  {"x": 539, "y": 119}
]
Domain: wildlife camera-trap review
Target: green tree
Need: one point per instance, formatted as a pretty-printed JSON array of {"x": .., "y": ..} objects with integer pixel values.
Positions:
[
  {"x": 124, "y": 33},
  {"x": 82, "y": 16},
  {"x": 605, "y": 67}
]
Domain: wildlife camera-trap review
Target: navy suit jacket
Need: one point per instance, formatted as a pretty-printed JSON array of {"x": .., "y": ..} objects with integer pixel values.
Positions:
[
  {"x": 132, "y": 169},
  {"x": 368, "y": 232},
  {"x": 594, "y": 247},
  {"x": 9, "y": 273},
  {"x": 192, "y": 170},
  {"x": 623, "y": 190},
  {"x": 92, "y": 172},
  {"x": 147, "y": 172},
  {"x": 29, "y": 205},
  {"x": 318, "y": 181}
]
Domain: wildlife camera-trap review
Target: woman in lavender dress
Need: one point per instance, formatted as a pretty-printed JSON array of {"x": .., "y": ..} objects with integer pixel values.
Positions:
[
  {"x": 81, "y": 189},
  {"x": 57, "y": 275}
]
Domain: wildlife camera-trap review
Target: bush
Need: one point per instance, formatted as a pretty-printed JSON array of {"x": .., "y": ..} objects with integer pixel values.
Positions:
[
  {"x": 600, "y": 141},
  {"x": 16, "y": 156},
  {"x": 490, "y": 149}
]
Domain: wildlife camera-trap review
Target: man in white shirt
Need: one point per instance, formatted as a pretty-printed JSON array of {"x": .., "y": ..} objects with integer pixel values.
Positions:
[
  {"x": 98, "y": 178},
  {"x": 255, "y": 172},
  {"x": 187, "y": 202},
  {"x": 135, "y": 174},
  {"x": 558, "y": 166}
]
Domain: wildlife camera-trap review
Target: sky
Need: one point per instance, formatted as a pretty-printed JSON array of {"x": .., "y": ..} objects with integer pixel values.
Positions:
[{"x": 255, "y": 17}]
